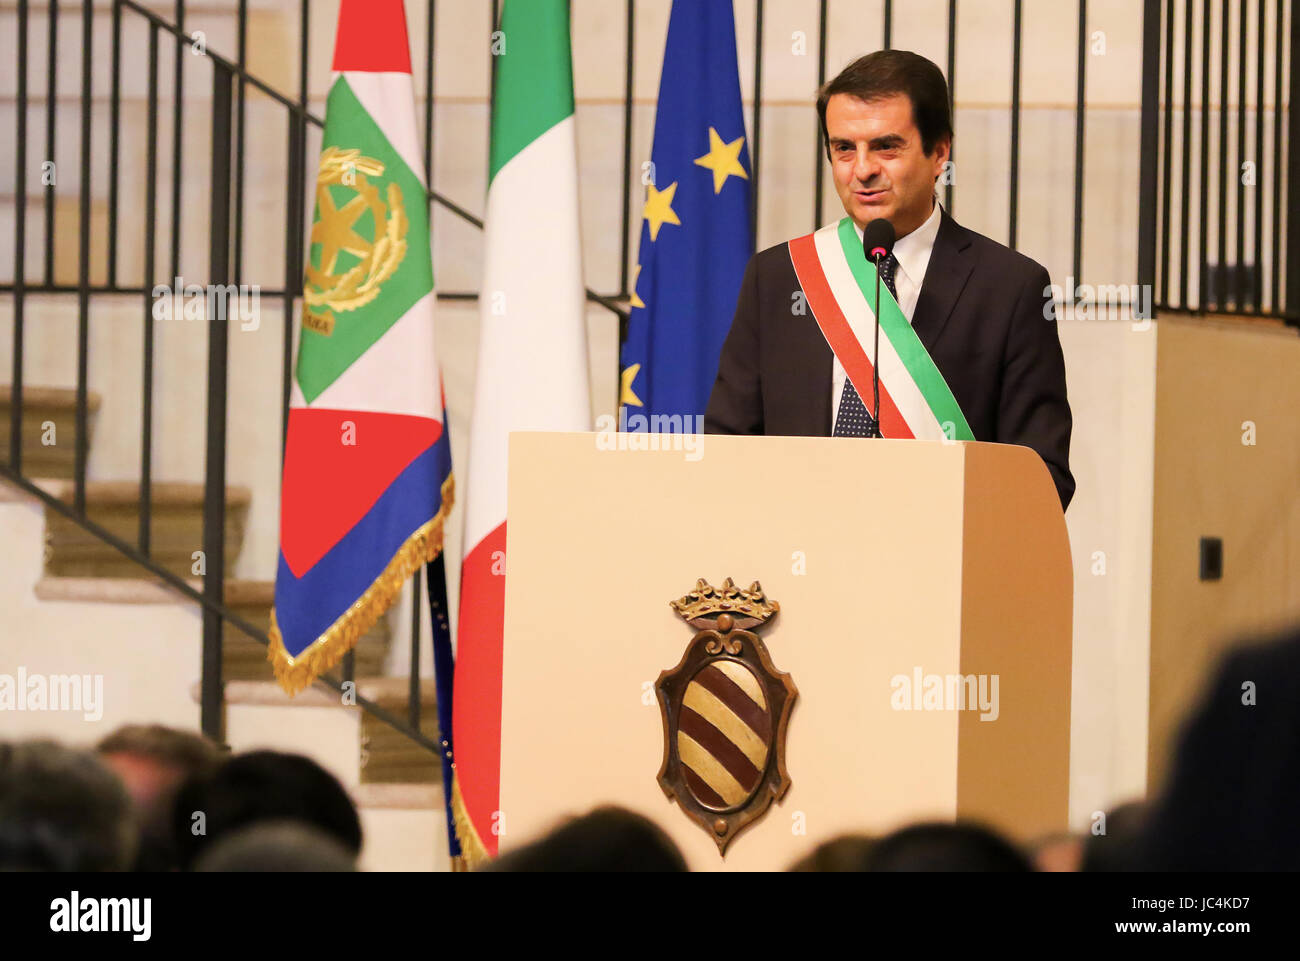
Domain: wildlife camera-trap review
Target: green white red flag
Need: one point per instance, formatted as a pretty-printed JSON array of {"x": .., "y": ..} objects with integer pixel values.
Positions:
[{"x": 532, "y": 363}]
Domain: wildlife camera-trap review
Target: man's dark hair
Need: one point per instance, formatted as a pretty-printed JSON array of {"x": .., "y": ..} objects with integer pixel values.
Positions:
[
  {"x": 277, "y": 846},
  {"x": 1117, "y": 849},
  {"x": 608, "y": 839},
  {"x": 62, "y": 810},
  {"x": 848, "y": 852},
  {"x": 177, "y": 756},
  {"x": 185, "y": 751},
  {"x": 946, "y": 847},
  {"x": 886, "y": 73},
  {"x": 261, "y": 786}
]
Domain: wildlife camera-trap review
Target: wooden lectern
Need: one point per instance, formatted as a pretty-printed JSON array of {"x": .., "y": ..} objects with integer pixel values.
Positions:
[{"x": 910, "y": 576}]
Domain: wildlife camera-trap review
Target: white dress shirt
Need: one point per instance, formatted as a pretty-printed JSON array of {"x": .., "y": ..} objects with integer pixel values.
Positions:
[{"x": 913, "y": 255}]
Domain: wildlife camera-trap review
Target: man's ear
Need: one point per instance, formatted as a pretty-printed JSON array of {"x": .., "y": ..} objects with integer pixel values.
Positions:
[{"x": 942, "y": 151}]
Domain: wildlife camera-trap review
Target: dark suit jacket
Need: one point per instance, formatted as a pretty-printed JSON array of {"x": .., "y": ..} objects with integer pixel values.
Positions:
[{"x": 980, "y": 314}]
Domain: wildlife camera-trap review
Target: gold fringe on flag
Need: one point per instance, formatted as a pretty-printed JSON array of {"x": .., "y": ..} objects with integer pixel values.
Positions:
[
  {"x": 472, "y": 848},
  {"x": 296, "y": 673}
]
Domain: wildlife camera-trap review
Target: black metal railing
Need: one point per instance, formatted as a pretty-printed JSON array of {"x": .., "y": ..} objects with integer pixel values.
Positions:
[
  {"x": 1223, "y": 261},
  {"x": 232, "y": 84},
  {"x": 230, "y": 81}
]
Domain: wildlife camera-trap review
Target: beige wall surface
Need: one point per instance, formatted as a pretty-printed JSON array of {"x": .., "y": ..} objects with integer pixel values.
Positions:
[
  {"x": 1110, "y": 369},
  {"x": 1227, "y": 464}
]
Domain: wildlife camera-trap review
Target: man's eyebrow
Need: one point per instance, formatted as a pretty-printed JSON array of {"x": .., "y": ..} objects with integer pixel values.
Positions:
[{"x": 887, "y": 142}]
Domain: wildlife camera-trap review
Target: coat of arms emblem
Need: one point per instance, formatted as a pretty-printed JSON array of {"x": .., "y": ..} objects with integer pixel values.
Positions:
[
  {"x": 725, "y": 710},
  {"x": 351, "y": 267}
]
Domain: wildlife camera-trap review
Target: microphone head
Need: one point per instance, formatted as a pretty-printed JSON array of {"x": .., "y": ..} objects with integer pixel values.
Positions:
[{"x": 878, "y": 238}]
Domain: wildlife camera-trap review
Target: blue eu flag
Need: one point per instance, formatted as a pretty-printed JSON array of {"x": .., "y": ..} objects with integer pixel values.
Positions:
[{"x": 695, "y": 235}]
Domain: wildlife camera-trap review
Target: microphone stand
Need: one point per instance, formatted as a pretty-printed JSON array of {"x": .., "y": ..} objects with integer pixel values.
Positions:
[{"x": 875, "y": 360}]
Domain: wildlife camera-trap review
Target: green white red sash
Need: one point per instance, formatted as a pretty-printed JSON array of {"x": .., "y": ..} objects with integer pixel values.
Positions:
[{"x": 840, "y": 285}]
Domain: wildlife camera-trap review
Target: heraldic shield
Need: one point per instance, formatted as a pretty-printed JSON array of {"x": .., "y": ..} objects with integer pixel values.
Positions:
[{"x": 725, "y": 710}]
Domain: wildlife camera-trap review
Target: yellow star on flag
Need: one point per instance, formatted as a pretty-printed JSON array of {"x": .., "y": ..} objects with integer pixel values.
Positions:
[
  {"x": 723, "y": 159},
  {"x": 333, "y": 230},
  {"x": 626, "y": 396},
  {"x": 659, "y": 209},
  {"x": 635, "y": 300}
]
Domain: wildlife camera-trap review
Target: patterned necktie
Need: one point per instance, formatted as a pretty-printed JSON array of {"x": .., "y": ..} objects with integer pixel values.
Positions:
[{"x": 854, "y": 419}]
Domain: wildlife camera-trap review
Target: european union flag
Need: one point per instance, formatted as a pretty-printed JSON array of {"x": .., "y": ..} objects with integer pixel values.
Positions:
[{"x": 695, "y": 236}]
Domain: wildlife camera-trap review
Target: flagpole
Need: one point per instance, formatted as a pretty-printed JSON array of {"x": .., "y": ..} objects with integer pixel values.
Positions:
[{"x": 444, "y": 671}]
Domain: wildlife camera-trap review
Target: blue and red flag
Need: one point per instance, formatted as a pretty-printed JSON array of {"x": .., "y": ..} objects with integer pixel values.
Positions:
[{"x": 367, "y": 481}]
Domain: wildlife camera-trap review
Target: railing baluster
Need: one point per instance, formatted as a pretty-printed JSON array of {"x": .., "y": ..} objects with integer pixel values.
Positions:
[
  {"x": 1274, "y": 289},
  {"x": 241, "y": 91},
  {"x": 1185, "y": 260},
  {"x": 1239, "y": 267},
  {"x": 1221, "y": 221},
  {"x": 429, "y": 76},
  {"x": 51, "y": 102},
  {"x": 1203, "y": 249},
  {"x": 1292, "y": 247},
  {"x": 413, "y": 677},
  {"x": 114, "y": 136},
  {"x": 1146, "y": 253},
  {"x": 626, "y": 234},
  {"x": 758, "y": 123},
  {"x": 950, "y": 202},
  {"x": 1166, "y": 205},
  {"x": 150, "y": 249},
  {"x": 1257, "y": 287},
  {"x": 1014, "y": 188},
  {"x": 292, "y": 275},
  {"x": 819, "y": 170},
  {"x": 214, "y": 489},
  {"x": 304, "y": 37},
  {"x": 83, "y": 264},
  {"x": 20, "y": 249},
  {"x": 178, "y": 97},
  {"x": 1080, "y": 128}
]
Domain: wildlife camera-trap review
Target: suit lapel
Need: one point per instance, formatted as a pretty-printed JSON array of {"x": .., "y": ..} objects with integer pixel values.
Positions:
[{"x": 951, "y": 263}]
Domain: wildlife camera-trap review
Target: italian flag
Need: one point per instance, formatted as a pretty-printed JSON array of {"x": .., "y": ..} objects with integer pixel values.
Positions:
[
  {"x": 532, "y": 364},
  {"x": 367, "y": 478}
]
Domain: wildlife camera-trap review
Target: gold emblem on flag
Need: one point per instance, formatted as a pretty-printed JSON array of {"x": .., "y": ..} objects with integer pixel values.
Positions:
[
  {"x": 327, "y": 289},
  {"x": 725, "y": 710}
]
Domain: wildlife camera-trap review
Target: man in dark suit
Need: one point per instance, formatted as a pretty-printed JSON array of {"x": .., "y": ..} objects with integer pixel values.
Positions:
[{"x": 982, "y": 311}]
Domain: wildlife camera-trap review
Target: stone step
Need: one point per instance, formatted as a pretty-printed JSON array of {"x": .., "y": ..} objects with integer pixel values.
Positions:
[
  {"x": 405, "y": 827},
  {"x": 244, "y": 659},
  {"x": 380, "y": 754},
  {"x": 176, "y": 529},
  {"x": 49, "y": 429},
  {"x": 388, "y": 756}
]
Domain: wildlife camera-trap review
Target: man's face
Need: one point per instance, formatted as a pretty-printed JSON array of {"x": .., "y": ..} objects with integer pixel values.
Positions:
[
  {"x": 147, "y": 780},
  {"x": 879, "y": 166}
]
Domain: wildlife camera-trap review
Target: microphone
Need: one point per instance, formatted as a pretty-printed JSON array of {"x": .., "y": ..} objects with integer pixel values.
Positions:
[{"x": 877, "y": 241}]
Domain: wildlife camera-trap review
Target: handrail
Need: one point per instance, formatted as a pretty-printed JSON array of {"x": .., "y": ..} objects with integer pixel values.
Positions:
[{"x": 180, "y": 585}]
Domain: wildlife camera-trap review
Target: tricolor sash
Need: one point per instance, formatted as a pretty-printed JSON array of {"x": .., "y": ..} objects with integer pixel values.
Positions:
[{"x": 840, "y": 284}]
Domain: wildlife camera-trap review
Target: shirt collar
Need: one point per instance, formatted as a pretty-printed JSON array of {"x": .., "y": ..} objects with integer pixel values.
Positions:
[{"x": 913, "y": 251}]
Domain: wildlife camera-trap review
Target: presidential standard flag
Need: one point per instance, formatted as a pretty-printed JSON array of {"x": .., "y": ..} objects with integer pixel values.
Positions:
[
  {"x": 532, "y": 364},
  {"x": 367, "y": 466},
  {"x": 696, "y": 235}
]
